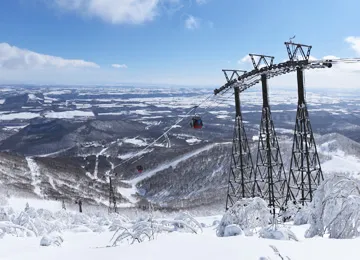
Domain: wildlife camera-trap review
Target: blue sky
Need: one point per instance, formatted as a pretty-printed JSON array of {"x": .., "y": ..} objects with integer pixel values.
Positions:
[{"x": 162, "y": 41}]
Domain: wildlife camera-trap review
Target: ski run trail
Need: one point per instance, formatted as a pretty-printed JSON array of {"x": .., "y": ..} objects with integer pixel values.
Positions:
[
  {"x": 129, "y": 193},
  {"x": 35, "y": 175}
]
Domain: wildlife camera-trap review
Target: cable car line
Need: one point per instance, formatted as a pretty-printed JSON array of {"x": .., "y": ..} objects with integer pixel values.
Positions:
[{"x": 167, "y": 131}]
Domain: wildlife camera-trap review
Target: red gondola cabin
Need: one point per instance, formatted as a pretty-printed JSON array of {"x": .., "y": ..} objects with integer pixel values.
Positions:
[
  {"x": 196, "y": 122},
  {"x": 139, "y": 168}
]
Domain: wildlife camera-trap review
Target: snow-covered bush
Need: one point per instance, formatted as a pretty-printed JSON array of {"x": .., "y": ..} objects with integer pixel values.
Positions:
[
  {"x": 3, "y": 200},
  {"x": 148, "y": 228},
  {"x": 31, "y": 222},
  {"x": 248, "y": 213},
  {"x": 233, "y": 230},
  {"x": 51, "y": 239},
  {"x": 277, "y": 233},
  {"x": 335, "y": 209},
  {"x": 302, "y": 216}
]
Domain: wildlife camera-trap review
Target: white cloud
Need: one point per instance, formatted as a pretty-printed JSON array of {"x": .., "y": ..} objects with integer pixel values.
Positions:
[
  {"x": 115, "y": 11},
  {"x": 355, "y": 43},
  {"x": 330, "y": 57},
  {"x": 192, "y": 23},
  {"x": 119, "y": 66},
  {"x": 201, "y": 2},
  {"x": 245, "y": 59},
  {"x": 12, "y": 57}
]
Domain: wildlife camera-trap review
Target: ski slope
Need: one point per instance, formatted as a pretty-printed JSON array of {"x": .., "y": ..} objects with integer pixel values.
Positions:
[
  {"x": 129, "y": 193},
  {"x": 35, "y": 176}
]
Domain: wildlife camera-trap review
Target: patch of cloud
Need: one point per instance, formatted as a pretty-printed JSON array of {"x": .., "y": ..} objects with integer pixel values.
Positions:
[
  {"x": 12, "y": 57},
  {"x": 119, "y": 66},
  {"x": 330, "y": 57},
  {"x": 119, "y": 11},
  {"x": 245, "y": 59},
  {"x": 170, "y": 7},
  {"x": 201, "y": 2},
  {"x": 354, "y": 43},
  {"x": 192, "y": 23}
]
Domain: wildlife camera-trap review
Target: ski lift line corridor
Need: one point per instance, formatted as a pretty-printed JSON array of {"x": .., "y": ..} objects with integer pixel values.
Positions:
[
  {"x": 196, "y": 123},
  {"x": 267, "y": 178}
]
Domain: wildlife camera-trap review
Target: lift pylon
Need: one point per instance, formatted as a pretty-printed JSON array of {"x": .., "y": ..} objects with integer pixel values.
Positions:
[
  {"x": 269, "y": 172},
  {"x": 241, "y": 169},
  {"x": 305, "y": 172}
]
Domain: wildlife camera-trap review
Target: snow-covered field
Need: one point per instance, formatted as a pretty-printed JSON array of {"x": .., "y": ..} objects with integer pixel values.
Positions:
[
  {"x": 43, "y": 230},
  {"x": 83, "y": 243}
]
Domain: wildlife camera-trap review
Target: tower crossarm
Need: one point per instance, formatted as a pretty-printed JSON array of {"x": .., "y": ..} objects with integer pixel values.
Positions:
[{"x": 251, "y": 78}]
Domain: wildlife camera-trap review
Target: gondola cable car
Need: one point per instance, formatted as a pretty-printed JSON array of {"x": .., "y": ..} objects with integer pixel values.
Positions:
[
  {"x": 196, "y": 121},
  {"x": 139, "y": 168}
]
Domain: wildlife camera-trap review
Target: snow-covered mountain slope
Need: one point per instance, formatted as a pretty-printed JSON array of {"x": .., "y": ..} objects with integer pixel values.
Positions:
[{"x": 176, "y": 177}]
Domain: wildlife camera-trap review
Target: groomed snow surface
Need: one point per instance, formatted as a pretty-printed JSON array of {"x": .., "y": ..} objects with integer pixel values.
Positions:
[{"x": 88, "y": 237}]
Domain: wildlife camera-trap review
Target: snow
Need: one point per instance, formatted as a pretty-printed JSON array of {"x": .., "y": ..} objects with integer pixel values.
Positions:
[
  {"x": 193, "y": 140},
  {"x": 223, "y": 116},
  {"x": 173, "y": 164},
  {"x": 113, "y": 113},
  {"x": 69, "y": 114},
  {"x": 35, "y": 175},
  {"x": 129, "y": 193},
  {"x": 33, "y": 97},
  {"x": 135, "y": 141},
  {"x": 338, "y": 160},
  {"x": 20, "y": 115},
  {"x": 82, "y": 106},
  {"x": 12, "y": 128},
  {"x": 18, "y": 204},
  {"x": 178, "y": 246},
  {"x": 59, "y": 92},
  {"x": 129, "y": 155}
]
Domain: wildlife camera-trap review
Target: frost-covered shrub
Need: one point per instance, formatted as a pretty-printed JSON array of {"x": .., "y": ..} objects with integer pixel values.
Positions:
[
  {"x": 51, "y": 239},
  {"x": 335, "y": 209},
  {"x": 233, "y": 230},
  {"x": 31, "y": 222},
  {"x": 148, "y": 228},
  {"x": 3, "y": 200},
  {"x": 277, "y": 233},
  {"x": 248, "y": 213},
  {"x": 302, "y": 216}
]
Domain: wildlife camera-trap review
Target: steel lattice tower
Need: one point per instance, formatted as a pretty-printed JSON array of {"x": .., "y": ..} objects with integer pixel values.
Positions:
[
  {"x": 112, "y": 198},
  {"x": 269, "y": 172},
  {"x": 305, "y": 171},
  {"x": 241, "y": 169}
]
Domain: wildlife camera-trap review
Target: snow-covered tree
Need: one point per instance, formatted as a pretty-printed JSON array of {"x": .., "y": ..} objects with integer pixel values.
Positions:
[
  {"x": 335, "y": 209},
  {"x": 248, "y": 214}
]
